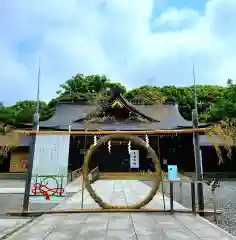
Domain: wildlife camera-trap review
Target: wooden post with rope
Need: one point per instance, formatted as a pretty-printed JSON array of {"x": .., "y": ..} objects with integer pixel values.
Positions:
[
  {"x": 83, "y": 186},
  {"x": 82, "y": 193}
]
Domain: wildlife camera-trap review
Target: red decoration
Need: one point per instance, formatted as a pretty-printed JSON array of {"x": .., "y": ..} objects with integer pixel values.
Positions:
[{"x": 45, "y": 190}]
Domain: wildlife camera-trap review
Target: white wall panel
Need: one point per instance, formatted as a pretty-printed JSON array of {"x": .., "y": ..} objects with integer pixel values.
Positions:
[{"x": 50, "y": 168}]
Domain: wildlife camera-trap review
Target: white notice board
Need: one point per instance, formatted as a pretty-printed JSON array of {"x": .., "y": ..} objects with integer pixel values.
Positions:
[{"x": 134, "y": 159}]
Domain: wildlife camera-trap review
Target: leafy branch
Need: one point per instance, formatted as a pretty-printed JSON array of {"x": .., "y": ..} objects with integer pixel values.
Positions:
[{"x": 225, "y": 130}]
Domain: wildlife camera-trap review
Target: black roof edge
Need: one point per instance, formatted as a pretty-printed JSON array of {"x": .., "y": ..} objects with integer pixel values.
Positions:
[{"x": 77, "y": 102}]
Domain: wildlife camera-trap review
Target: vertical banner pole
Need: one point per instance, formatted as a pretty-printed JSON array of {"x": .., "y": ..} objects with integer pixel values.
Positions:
[
  {"x": 29, "y": 174},
  {"x": 35, "y": 126},
  {"x": 197, "y": 156}
]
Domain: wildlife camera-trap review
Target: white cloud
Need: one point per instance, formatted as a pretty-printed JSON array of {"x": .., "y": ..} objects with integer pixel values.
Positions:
[
  {"x": 112, "y": 37},
  {"x": 174, "y": 19}
]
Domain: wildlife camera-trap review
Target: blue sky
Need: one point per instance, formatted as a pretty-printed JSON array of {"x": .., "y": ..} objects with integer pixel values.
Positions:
[
  {"x": 160, "y": 6},
  {"x": 134, "y": 42}
]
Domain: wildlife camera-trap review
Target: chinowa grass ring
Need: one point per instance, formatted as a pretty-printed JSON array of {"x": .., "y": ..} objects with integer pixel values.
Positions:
[{"x": 138, "y": 141}]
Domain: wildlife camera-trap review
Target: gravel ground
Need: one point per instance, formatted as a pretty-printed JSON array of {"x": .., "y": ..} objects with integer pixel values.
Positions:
[{"x": 225, "y": 201}]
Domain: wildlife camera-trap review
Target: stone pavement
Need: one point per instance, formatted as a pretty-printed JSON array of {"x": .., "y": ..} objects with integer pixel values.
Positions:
[
  {"x": 7, "y": 225},
  {"x": 115, "y": 226}
]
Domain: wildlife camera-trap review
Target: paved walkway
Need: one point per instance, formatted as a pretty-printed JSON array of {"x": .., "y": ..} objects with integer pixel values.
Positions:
[{"x": 115, "y": 226}]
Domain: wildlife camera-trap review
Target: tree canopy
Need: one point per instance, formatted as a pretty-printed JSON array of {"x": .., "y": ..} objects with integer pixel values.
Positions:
[
  {"x": 23, "y": 111},
  {"x": 214, "y": 102}
]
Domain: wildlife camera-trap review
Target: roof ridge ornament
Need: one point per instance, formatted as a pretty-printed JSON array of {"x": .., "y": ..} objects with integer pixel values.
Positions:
[{"x": 117, "y": 103}]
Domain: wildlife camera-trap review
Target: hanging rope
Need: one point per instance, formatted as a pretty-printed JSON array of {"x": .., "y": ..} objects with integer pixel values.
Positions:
[
  {"x": 147, "y": 140},
  {"x": 94, "y": 140},
  {"x": 129, "y": 147},
  {"x": 109, "y": 146}
]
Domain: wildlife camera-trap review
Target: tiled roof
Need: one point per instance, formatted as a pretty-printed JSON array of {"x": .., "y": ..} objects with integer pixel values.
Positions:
[
  {"x": 66, "y": 113},
  {"x": 165, "y": 113},
  {"x": 161, "y": 116}
]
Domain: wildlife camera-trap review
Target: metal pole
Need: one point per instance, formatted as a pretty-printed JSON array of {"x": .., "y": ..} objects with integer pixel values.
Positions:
[
  {"x": 29, "y": 174},
  {"x": 171, "y": 197},
  {"x": 32, "y": 148},
  {"x": 38, "y": 90},
  {"x": 193, "y": 195},
  {"x": 180, "y": 192},
  {"x": 197, "y": 156},
  {"x": 162, "y": 182},
  {"x": 197, "y": 150},
  {"x": 163, "y": 194},
  {"x": 194, "y": 88}
]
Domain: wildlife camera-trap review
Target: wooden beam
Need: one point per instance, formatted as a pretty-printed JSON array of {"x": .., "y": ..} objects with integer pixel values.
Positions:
[
  {"x": 99, "y": 210},
  {"x": 173, "y": 131}
]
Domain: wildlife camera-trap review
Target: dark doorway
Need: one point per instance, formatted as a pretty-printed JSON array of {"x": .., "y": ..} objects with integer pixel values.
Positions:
[
  {"x": 5, "y": 164},
  {"x": 118, "y": 160},
  {"x": 178, "y": 150},
  {"x": 115, "y": 161}
]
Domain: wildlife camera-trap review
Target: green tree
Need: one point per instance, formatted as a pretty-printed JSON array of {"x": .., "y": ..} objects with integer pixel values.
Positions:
[
  {"x": 207, "y": 95},
  {"x": 87, "y": 88},
  {"x": 146, "y": 95},
  {"x": 215, "y": 102},
  {"x": 23, "y": 111},
  {"x": 225, "y": 105}
]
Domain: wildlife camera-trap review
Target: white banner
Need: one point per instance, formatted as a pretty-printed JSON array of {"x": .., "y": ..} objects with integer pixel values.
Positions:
[
  {"x": 134, "y": 159},
  {"x": 50, "y": 168}
]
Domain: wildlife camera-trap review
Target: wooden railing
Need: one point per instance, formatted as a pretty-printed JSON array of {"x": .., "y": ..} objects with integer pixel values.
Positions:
[
  {"x": 75, "y": 174},
  {"x": 94, "y": 175}
]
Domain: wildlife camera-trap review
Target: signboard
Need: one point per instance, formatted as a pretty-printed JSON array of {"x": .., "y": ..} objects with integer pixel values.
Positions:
[
  {"x": 173, "y": 172},
  {"x": 134, "y": 159},
  {"x": 50, "y": 168}
]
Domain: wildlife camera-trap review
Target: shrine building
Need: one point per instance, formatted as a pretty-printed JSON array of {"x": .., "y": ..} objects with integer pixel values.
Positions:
[{"x": 118, "y": 114}]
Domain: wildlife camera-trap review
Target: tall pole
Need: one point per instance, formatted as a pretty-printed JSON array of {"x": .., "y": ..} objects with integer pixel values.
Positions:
[
  {"x": 38, "y": 90},
  {"x": 197, "y": 150},
  {"x": 32, "y": 147},
  {"x": 194, "y": 88}
]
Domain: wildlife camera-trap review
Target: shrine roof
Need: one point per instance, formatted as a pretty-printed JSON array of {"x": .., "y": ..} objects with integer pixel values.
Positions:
[{"x": 157, "y": 116}]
